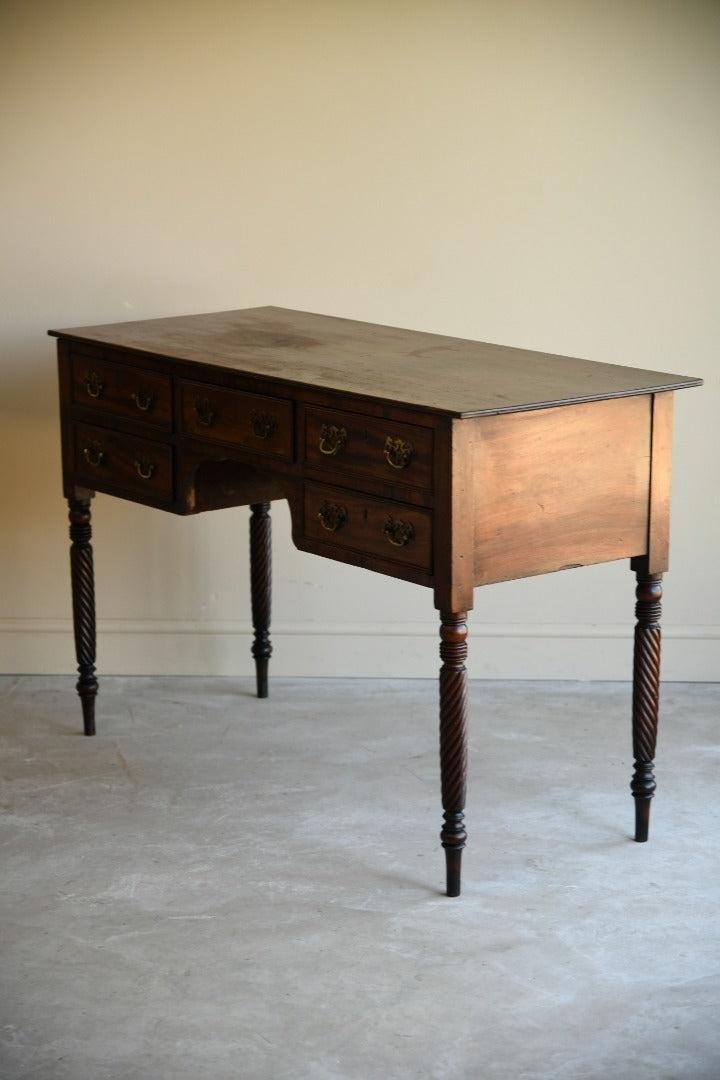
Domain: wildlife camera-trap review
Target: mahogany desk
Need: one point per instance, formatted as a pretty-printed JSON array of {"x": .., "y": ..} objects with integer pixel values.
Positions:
[{"x": 445, "y": 462}]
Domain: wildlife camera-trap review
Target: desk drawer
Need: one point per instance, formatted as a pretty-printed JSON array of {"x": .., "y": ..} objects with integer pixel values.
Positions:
[
  {"x": 253, "y": 421},
  {"x": 383, "y": 449},
  {"x": 125, "y": 391},
  {"x": 109, "y": 460},
  {"x": 378, "y": 527}
]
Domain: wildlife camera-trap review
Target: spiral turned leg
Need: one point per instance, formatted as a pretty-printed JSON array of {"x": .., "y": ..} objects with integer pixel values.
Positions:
[
  {"x": 646, "y": 693},
  {"x": 83, "y": 603},
  {"x": 260, "y": 590},
  {"x": 453, "y": 741}
]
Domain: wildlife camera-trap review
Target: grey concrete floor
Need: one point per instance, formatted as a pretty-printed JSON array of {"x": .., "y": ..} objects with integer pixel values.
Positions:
[{"x": 220, "y": 887}]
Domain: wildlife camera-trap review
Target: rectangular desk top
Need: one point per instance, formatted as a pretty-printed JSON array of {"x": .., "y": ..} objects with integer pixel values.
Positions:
[{"x": 428, "y": 372}]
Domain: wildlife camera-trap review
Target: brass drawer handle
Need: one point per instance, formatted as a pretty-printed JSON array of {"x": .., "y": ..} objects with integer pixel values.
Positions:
[
  {"x": 145, "y": 468},
  {"x": 332, "y": 440},
  {"x": 205, "y": 412},
  {"x": 94, "y": 384},
  {"x": 399, "y": 533},
  {"x": 398, "y": 453},
  {"x": 332, "y": 516},
  {"x": 94, "y": 455},
  {"x": 262, "y": 424},
  {"x": 144, "y": 401}
]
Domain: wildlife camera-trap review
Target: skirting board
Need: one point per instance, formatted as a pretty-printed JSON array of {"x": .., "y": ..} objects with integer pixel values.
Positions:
[{"x": 382, "y": 650}]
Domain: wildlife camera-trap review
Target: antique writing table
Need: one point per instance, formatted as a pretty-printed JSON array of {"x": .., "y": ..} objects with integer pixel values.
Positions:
[{"x": 445, "y": 462}]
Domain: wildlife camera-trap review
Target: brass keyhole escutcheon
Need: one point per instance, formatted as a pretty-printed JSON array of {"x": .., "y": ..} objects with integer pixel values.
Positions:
[
  {"x": 94, "y": 384},
  {"x": 333, "y": 440},
  {"x": 332, "y": 516},
  {"x": 94, "y": 455},
  {"x": 399, "y": 533},
  {"x": 145, "y": 468},
  {"x": 398, "y": 452}
]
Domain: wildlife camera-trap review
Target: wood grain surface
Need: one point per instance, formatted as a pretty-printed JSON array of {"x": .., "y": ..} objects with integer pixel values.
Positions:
[{"x": 426, "y": 371}]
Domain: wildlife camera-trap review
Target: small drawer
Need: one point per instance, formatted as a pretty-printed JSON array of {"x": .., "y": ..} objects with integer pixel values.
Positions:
[
  {"x": 110, "y": 460},
  {"x": 253, "y": 421},
  {"x": 383, "y": 449},
  {"x": 129, "y": 392},
  {"x": 378, "y": 527}
]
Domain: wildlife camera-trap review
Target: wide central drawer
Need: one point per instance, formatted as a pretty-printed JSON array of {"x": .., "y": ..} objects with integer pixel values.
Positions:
[
  {"x": 253, "y": 421},
  {"x": 379, "y": 527},
  {"x": 107, "y": 460}
]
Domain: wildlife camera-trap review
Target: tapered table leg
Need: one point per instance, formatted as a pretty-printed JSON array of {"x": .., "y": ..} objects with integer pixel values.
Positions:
[
  {"x": 83, "y": 603},
  {"x": 453, "y": 741},
  {"x": 260, "y": 590},
  {"x": 646, "y": 692}
]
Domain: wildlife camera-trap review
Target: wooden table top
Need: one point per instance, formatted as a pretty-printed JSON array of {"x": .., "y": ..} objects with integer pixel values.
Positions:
[{"x": 429, "y": 372}]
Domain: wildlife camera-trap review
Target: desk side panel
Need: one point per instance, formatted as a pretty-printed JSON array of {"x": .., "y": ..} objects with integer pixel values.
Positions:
[
  {"x": 561, "y": 487},
  {"x": 660, "y": 478},
  {"x": 455, "y": 488},
  {"x": 71, "y": 489}
]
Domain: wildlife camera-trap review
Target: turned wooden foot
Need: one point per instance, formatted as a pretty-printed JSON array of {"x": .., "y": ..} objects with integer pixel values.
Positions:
[
  {"x": 453, "y": 742},
  {"x": 83, "y": 605},
  {"x": 260, "y": 590},
  {"x": 646, "y": 692}
]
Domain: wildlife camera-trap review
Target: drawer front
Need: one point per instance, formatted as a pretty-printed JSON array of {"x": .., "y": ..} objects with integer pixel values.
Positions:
[
  {"x": 130, "y": 392},
  {"x": 382, "y": 449},
  {"x": 378, "y": 527},
  {"x": 106, "y": 459},
  {"x": 253, "y": 421}
]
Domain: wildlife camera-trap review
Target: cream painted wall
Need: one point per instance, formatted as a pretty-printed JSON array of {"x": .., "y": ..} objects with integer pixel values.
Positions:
[{"x": 542, "y": 174}]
